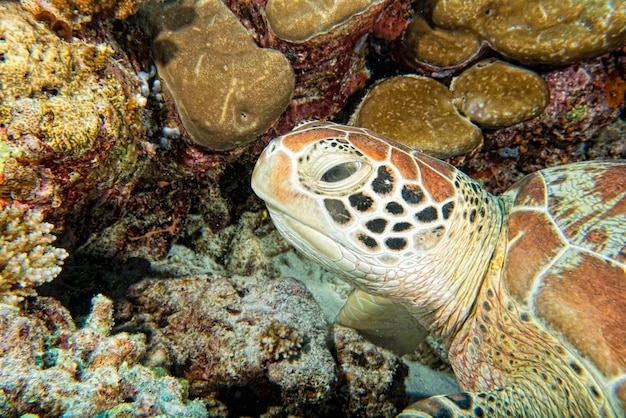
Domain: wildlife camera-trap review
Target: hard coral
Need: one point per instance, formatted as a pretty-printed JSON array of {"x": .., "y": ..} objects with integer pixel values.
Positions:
[
  {"x": 227, "y": 90},
  {"x": 79, "y": 373},
  {"x": 324, "y": 42},
  {"x": 27, "y": 259},
  {"x": 552, "y": 32},
  {"x": 281, "y": 341},
  {"x": 66, "y": 16},
  {"x": 496, "y": 94},
  {"x": 299, "y": 20},
  {"x": 396, "y": 107},
  {"x": 71, "y": 117}
]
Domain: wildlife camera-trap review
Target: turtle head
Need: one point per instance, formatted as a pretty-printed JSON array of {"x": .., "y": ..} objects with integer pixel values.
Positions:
[{"x": 372, "y": 210}]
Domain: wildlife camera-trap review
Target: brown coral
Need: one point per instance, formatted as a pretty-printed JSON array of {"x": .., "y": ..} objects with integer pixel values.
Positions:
[
  {"x": 418, "y": 111},
  {"x": 553, "y": 32},
  {"x": 496, "y": 94},
  {"x": 281, "y": 341},
  {"x": 27, "y": 259},
  {"x": 227, "y": 90}
]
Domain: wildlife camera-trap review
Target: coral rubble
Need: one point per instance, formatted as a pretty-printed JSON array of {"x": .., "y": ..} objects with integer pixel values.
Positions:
[{"x": 222, "y": 334}]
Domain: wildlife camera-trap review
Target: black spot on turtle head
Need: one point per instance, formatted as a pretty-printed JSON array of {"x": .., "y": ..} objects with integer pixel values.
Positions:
[
  {"x": 376, "y": 225},
  {"x": 472, "y": 215},
  {"x": 446, "y": 210},
  {"x": 383, "y": 183},
  {"x": 394, "y": 208},
  {"x": 402, "y": 226},
  {"x": 427, "y": 215},
  {"x": 368, "y": 241},
  {"x": 462, "y": 400},
  {"x": 524, "y": 317},
  {"x": 486, "y": 306},
  {"x": 337, "y": 211},
  {"x": 577, "y": 369},
  {"x": 412, "y": 194},
  {"x": 478, "y": 412},
  {"x": 361, "y": 202},
  {"x": 396, "y": 244}
]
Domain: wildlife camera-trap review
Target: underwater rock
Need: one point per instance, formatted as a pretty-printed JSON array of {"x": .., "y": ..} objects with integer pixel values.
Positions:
[
  {"x": 417, "y": 111},
  {"x": 551, "y": 32},
  {"x": 222, "y": 334},
  {"x": 79, "y": 372},
  {"x": 495, "y": 94},
  {"x": 373, "y": 377},
  {"x": 27, "y": 258},
  {"x": 71, "y": 116},
  {"x": 226, "y": 89}
]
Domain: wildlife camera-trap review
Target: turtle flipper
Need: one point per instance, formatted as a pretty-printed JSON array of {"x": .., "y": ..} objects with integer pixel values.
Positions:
[
  {"x": 449, "y": 406},
  {"x": 382, "y": 321}
]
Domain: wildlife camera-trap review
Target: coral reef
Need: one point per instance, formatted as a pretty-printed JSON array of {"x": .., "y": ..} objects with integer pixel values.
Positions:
[
  {"x": 299, "y": 20},
  {"x": 49, "y": 367},
  {"x": 437, "y": 50},
  {"x": 396, "y": 107},
  {"x": 27, "y": 259},
  {"x": 66, "y": 16},
  {"x": 550, "y": 32},
  {"x": 70, "y": 117},
  {"x": 202, "y": 47},
  {"x": 214, "y": 331},
  {"x": 495, "y": 94}
]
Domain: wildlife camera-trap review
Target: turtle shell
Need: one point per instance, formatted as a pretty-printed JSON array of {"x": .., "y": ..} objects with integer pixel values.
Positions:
[{"x": 566, "y": 258}]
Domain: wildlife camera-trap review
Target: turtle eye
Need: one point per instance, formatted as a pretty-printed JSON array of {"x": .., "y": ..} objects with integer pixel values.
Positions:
[{"x": 340, "y": 172}]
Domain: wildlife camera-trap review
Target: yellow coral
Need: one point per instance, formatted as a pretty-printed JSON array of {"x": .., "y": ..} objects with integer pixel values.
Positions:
[
  {"x": 27, "y": 259},
  {"x": 51, "y": 88},
  {"x": 69, "y": 126}
]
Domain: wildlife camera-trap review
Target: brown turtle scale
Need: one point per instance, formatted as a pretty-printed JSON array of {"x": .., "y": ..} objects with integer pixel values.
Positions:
[{"x": 527, "y": 291}]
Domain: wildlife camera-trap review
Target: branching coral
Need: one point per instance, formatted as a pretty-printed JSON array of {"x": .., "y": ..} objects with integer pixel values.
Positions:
[
  {"x": 281, "y": 341},
  {"x": 27, "y": 259}
]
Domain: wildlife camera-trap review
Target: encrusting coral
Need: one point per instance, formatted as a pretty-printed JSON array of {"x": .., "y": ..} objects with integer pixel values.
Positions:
[
  {"x": 27, "y": 258},
  {"x": 396, "y": 107}
]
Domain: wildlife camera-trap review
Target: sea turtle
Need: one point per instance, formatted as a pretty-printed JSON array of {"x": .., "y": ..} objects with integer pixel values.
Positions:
[{"x": 526, "y": 291}]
